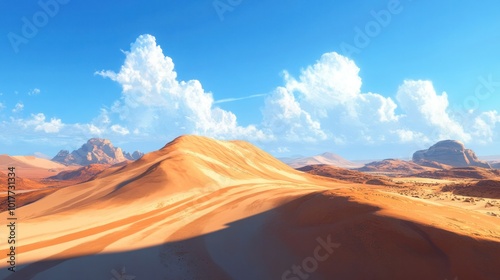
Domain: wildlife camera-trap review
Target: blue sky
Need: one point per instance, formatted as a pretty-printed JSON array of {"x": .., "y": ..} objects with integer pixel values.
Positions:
[{"x": 364, "y": 79}]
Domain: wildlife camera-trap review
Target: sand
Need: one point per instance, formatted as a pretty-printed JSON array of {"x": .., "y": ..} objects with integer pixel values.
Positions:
[
  {"x": 32, "y": 167},
  {"x": 205, "y": 209}
]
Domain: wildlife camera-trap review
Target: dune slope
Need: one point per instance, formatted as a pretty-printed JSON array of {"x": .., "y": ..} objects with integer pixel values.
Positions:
[
  {"x": 205, "y": 209},
  {"x": 31, "y": 166}
]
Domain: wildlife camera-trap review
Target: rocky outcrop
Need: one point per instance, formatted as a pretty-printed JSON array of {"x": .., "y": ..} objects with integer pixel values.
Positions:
[
  {"x": 95, "y": 151},
  {"x": 134, "y": 156},
  {"x": 433, "y": 164},
  {"x": 449, "y": 152}
]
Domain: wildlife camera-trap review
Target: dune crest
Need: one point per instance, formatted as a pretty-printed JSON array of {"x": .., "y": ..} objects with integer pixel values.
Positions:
[{"x": 200, "y": 208}]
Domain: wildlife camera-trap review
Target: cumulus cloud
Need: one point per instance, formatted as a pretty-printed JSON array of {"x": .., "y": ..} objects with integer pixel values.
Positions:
[
  {"x": 409, "y": 136},
  {"x": 324, "y": 104},
  {"x": 35, "y": 91},
  {"x": 155, "y": 101},
  {"x": 284, "y": 118},
  {"x": 333, "y": 80},
  {"x": 282, "y": 150},
  {"x": 18, "y": 107},
  {"x": 485, "y": 126},
  {"x": 120, "y": 129},
  {"x": 428, "y": 111},
  {"x": 329, "y": 105},
  {"x": 38, "y": 123}
]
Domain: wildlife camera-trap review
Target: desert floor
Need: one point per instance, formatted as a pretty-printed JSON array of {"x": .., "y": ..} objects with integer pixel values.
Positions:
[{"x": 226, "y": 210}]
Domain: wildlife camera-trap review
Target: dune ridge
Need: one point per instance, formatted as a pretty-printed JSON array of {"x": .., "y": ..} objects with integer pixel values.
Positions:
[{"x": 206, "y": 209}]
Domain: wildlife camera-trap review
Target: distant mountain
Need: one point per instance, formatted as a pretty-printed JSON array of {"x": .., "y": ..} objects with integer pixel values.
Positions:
[
  {"x": 325, "y": 158},
  {"x": 393, "y": 166},
  {"x": 449, "y": 152},
  {"x": 493, "y": 160},
  {"x": 95, "y": 151}
]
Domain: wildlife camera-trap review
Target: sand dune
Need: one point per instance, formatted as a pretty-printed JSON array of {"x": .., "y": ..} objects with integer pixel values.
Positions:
[
  {"x": 31, "y": 166},
  {"x": 206, "y": 209},
  {"x": 21, "y": 183}
]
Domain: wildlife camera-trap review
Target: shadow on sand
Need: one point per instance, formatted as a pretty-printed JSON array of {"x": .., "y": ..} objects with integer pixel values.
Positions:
[{"x": 284, "y": 241}]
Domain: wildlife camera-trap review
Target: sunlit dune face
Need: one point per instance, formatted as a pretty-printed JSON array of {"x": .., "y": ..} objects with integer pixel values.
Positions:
[{"x": 207, "y": 209}]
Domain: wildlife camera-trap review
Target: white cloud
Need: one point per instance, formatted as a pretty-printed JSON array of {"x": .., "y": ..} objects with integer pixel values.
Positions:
[
  {"x": 408, "y": 136},
  {"x": 326, "y": 103},
  {"x": 35, "y": 91},
  {"x": 37, "y": 123},
  {"x": 377, "y": 107},
  {"x": 281, "y": 150},
  {"x": 120, "y": 129},
  {"x": 323, "y": 105},
  {"x": 91, "y": 129},
  {"x": 18, "y": 107},
  {"x": 284, "y": 118},
  {"x": 327, "y": 96},
  {"x": 485, "y": 126},
  {"x": 425, "y": 110},
  {"x": 155, "y": 101},
  {"x": 331, "y": 81}
]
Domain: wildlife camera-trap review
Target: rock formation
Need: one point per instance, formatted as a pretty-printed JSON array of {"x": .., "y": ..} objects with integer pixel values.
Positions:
[
  {"x": 449, "y": 152},
  {"x": 96, "y": 150}
]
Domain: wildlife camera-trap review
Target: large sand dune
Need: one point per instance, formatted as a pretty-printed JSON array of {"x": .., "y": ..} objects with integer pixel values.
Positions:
[{"x": 206, "y": 209}]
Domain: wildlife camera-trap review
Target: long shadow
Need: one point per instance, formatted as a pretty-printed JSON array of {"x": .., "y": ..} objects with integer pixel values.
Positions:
[{"x": 317, "y": 236}]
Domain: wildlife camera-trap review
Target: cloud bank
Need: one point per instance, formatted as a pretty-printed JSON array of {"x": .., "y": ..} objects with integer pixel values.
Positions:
[
  {"x": 324, "y": 105},
  {"x": 155, "y": 101}
]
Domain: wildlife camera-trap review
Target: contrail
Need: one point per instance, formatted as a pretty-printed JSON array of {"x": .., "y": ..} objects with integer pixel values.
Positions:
[{"x": 238, "y": 98}]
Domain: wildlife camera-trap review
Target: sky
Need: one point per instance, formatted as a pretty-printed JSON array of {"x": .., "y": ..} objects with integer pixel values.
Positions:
[{"x": 363, "y": 79}]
